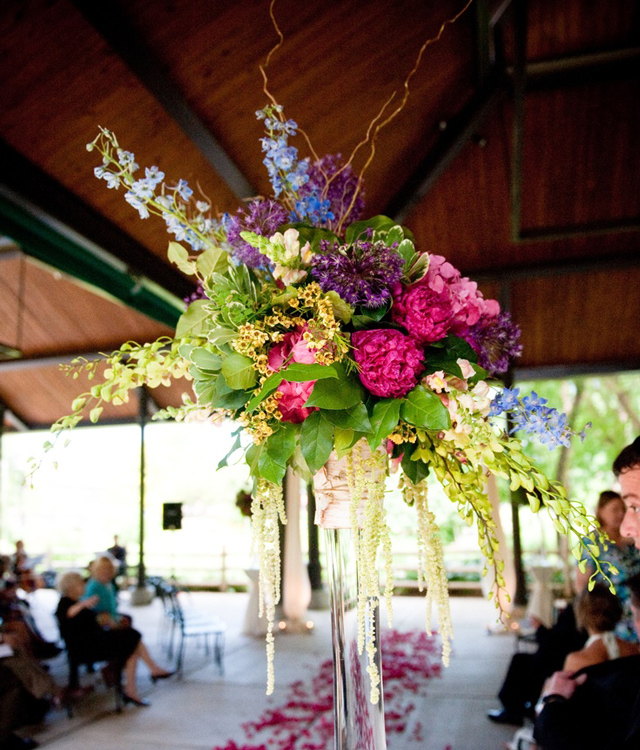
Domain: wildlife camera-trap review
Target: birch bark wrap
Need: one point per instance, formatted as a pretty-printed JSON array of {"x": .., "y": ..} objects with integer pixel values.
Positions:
[{"x": 332, "y": 491}]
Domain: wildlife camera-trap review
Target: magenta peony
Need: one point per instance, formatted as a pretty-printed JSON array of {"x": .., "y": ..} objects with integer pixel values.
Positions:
[
  {"x": 293, "y": 348},
  {"x": 389, "y": 361},
  {"x": 442, "y": 301}
]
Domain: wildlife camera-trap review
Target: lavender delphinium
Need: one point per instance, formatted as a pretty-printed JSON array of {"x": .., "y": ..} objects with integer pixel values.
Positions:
[
  {"x": 496, "y": 341},
  {"x": 260, "y": 216},
  {"x": 361, "y": 273}
]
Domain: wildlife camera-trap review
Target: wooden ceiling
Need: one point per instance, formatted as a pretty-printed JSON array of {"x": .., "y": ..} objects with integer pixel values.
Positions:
[{"x": 516, "y": 157}]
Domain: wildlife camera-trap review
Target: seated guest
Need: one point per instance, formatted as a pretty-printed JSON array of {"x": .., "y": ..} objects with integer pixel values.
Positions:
[
  {"x": 101, "y": 590},
  {"x": 17, "y": 619},
  {"x": 599, "y": 611},
  {"x": 27, "y": 691},
  {"x": 90, "y": 641},
  {"x": 608, "y": 693},
  {"x": 527, "y": 671}
]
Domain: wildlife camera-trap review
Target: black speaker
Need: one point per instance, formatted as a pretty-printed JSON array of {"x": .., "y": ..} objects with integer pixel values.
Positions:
[{"x": 171, "y": 516}]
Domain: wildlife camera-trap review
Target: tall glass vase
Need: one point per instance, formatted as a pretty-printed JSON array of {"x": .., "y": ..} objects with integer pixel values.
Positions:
[{"x": 358, "y": 723}]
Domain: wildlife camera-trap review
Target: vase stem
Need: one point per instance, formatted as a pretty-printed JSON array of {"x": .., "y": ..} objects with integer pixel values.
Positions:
[{"x": 358, "y": 723}]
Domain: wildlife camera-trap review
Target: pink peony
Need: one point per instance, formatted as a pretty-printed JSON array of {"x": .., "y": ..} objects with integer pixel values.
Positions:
[
  {"x": 293, "y": 348},
  {"x": 292, "y": 403},
  {"x": 442, "y": 301},
  {"x": 389, "y": 361}
]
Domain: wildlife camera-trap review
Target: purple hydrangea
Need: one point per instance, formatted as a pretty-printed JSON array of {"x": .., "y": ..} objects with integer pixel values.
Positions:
[
  {"x": 361, "y": 273},
  {"x": 496, "y": 341},
  {"x": 337, "y": 184},
  {"x": 263, "y": 217}
]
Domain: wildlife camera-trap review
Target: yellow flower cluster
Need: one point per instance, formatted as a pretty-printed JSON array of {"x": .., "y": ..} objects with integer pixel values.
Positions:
[
  {"x": 251, "y": 339},
  {"x": 403, "y": 433},
  {"x": 257, "y": 423}
]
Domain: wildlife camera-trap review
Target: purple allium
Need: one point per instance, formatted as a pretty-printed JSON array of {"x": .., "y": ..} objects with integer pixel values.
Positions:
[
  {"x": 361, "y": 273},
  {"x": 496, "y": 341},
  {"x": 388, "y": 361},
  {"x": 263, "y": 217},
  {"x": 339, "y": 191}
]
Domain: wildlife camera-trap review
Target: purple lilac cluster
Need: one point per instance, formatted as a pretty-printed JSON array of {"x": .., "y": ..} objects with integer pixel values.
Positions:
[
  {"x": 198, "y": 294},
  {"x": 496, "y": 341},
  {"x": 263, "y": 217},
  {"x": 534, "y": 417},
  {"x": 361, "y": 273},
  {"x": 338, "y": 183}
]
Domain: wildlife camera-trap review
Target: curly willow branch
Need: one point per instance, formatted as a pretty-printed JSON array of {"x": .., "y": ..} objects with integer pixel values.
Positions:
[{"x": 375, "y": 126}]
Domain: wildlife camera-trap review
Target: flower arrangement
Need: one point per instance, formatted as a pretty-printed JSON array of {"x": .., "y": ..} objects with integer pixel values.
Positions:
[{"x": 318, "y": 332}]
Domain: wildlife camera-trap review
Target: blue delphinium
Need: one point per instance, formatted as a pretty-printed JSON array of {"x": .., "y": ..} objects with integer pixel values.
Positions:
[{"x": 532, "y": 415}]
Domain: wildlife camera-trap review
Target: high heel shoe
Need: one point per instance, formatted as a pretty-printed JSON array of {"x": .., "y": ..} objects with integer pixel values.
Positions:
[
  {"x": 129, "y": 699},
  {"x": 163, "y": 676}
]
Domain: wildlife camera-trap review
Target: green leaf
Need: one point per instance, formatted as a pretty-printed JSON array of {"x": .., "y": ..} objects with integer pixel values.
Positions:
[
  {"x": 239, "y": 372},
  {"x": 343, "y": 441},
  {"x": 377, "y": 223},
  {"x": 394, "y": 235},
  {"x": 195, "y": 320},
  {"x": 316, "y": 441},
  {"x": 221, "y": 336},
  {"x": 236, "y": 446},
  {"x": 224, "y": 397},
  {"x": 354, "y": 418},
  {"x": 415, "y": 470},
  {"x": 423, "y": 408},
  {"x": 203, "y": 359},
  {"x": 268, "y": 387},
  {"x": 298, "y": 372},
  {"x": 384, "y": 419},
  {"x": 179, "y": 256},
  {"x": 445, "y": 355},
  {"x": 282, "y": 443},
  {"x": 252, "y": 457},
  {"x": 332, "y": 394},
  {"x": 212, "y": 261},
  {"x": 269, "y": 469},
  {"x": 406, "y": 249},
  {"x": 341, "y": 309},
  {"x": 312, "y": 235}
]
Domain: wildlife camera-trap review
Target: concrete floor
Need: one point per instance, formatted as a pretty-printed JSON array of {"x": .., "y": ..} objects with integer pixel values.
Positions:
[{"x": 205, "y": 709}]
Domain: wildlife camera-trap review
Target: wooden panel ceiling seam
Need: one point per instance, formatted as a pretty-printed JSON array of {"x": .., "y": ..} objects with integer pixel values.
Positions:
[{"x": 136, "y": 54}]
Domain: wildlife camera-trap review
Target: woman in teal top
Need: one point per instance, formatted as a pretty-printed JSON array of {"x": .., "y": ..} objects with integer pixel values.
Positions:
[{"x": 101, "y": 585}]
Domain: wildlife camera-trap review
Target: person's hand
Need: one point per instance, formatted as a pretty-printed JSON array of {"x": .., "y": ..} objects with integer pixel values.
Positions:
[
  {"x": 91, "y": 601},
  {"x": 563, "y": 683},
  {"x": 536, "y": 622}
]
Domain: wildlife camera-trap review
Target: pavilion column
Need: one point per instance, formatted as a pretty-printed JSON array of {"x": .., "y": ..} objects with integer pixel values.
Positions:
[
  {"x": 141, "y": 595},
  {"x": 296, "y": 589}
]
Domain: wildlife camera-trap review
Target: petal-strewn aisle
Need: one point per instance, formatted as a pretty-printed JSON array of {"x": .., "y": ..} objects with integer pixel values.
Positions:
[{"x": 305, "y": 720}]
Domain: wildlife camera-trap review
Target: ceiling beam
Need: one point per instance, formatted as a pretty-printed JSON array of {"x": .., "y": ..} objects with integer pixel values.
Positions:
[
  {"x": 557, "y": 372},
  {"x": 133, "y": 49},
  {"x": 29, "y": 185},
  {"x": 456, "y": 132},
  {"x": 545, "y": 270}
]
